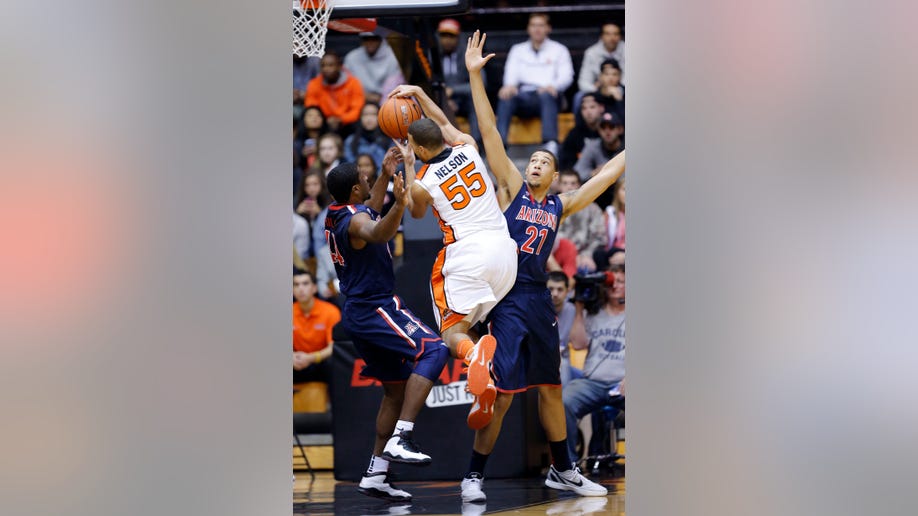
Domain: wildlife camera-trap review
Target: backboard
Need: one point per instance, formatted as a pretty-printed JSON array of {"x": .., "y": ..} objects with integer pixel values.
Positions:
[{"x": 382, "y": 8}]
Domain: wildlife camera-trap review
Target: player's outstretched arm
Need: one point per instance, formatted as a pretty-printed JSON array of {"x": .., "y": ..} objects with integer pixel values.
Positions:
[
  {"x": 508, "y": 176},
  {"x": 363, "y": 229},
  {"x": 450, "y": 133},
  {"x": 418, "y": 198},
  {"x": 386, "y": 171},
  {"x": 580, "y": 198}
]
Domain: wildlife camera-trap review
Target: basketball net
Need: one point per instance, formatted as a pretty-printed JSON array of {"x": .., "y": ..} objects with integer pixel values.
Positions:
[{"x": 310, "y": 24}]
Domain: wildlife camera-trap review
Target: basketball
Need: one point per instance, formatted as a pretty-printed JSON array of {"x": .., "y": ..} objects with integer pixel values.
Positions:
[{"x": 396, "y": 114}]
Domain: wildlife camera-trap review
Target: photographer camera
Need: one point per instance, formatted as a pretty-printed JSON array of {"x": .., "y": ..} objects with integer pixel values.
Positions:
[{"x": 602, "y": 330}]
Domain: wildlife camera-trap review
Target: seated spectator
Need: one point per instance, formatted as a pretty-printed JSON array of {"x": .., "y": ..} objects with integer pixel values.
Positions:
[
  {"x": 313, "y": 127},
  {"x": 311, "y": 198},
  {"x": 559, "y": 288},
  {"x": 312, "y": 202},
  {"x": 596, "y": 153},
  {"x": 367, "y": 138},
  {"x": 611, "y": 93},
  {"x": 536, "y": 74},
  {"x": 584, "y": 228},
  {"x": 614, "y": 216},
  {"x": 610, "y": 45},
  {"x": 563, "y": 257},
  {"x": 301, "y": 237},
  {"x": 329, "y": 153},
  {"x": 456, "y": 75},
  {"x": 307, "y": 130},
  {"x": 374, "y": 64},
  {"x": 313, "y": 320},
  {"x": 337, "y": 93},
  {"x": 585, "y": 128},
  {"x": 602, "y": 332}
]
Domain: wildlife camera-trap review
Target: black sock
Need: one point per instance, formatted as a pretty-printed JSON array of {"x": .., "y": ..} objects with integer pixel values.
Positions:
[
  {"x": 477, "y": 464},
  {"x": 560, "y": 457}
]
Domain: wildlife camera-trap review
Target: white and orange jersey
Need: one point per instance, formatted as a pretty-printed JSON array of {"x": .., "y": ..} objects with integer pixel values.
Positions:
[{"x": 464, "y": 197}]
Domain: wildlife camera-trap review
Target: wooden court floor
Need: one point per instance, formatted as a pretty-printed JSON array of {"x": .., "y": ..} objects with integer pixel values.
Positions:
[{"x": 520, "y": 497}]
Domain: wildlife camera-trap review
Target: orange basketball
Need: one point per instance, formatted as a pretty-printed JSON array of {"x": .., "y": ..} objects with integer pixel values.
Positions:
[{"x": 396, "y": 114}]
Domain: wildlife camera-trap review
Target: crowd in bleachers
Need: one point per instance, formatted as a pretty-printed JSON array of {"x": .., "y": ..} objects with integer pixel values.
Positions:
[{"x": 336, "y": 99}]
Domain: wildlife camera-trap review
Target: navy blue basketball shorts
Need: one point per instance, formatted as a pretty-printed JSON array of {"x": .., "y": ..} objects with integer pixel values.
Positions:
[
  {"x": 526, "y": 328},
  {"x": 393, "y": 341}
]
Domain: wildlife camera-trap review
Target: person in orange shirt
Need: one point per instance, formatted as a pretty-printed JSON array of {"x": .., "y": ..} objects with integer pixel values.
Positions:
[
  {"x": 338, "y": 94},
  {"x": 313, "y": 320}
]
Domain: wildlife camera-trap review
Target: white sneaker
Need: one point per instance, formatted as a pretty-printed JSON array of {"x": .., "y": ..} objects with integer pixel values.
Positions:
[
  {"x": 473, "y": 509},
  {"x": 401, "y": 448},
  {"x": 379, "y": 486},
  {"x": 579, "y": 506},
  {"x": 471, "y": 489},
  {"x": 572, "y": 480}
]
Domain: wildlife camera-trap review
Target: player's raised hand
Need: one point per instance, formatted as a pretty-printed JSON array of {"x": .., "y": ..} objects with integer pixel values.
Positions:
[
  {"x": 399, "y": 191},
  {"x": 390, "y": 161},
  {"x": 406, "y": 152},
  {"x": 474, "y": 58},
  {"x": 406, "y": 90}
]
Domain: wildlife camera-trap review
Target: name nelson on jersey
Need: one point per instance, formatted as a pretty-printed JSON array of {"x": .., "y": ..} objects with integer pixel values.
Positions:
[
  {"x": 450, "y": 166},
  {"x": 537, "y": 216}
]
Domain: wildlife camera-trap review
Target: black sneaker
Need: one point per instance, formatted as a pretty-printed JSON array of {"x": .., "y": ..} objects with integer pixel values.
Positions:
[
  {"x": 378, "y": 485},
  {"x": 401, "y": 448}
]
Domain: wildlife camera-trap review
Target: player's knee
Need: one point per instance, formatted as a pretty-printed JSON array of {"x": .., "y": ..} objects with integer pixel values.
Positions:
[
  {"x": 502, "y": 403},
  {"x": 431, "y": 362}
]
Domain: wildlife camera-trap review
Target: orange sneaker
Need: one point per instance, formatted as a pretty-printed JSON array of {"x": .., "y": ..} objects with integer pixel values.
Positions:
[
  {"x": 483, "y": 408},
  {"x": 479, "y": 360}
]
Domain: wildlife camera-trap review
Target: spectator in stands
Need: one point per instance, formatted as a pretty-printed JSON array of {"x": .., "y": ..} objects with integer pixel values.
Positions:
[
  {"x": 602, "y": 332},
  {"x": 584, "y": 228},
  {"x": 563, "y": 256},
  {"x": 559, "y": 288},
  {"x": 611, "y": 92},
  {"x": 312, "y": 197},
  {"x": 366, "y": 164},
  {"x": 585, "y": 128},
  {"x": 367, "y": 138},
  {"x": 313, "y": 127},
  {"x": 610, "y": 45},
  {"x": 536, "y": 74},
  {"x": 456, "y": 76},
  {"x": 337, "y": 93},
  {"x": 374, "y": 64},
  {"x": 313, "y": 320},
  {"x": 300, "y": 236},
  {"x": 614, "y": 216},
  {"x": 595, "y": 153},
  {"x": 329, "y": 153},
  {"x": 312, "y": 203}
]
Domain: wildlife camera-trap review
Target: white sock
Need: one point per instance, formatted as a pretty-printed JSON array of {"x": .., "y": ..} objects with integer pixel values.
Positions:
[
  {"x": 378, "y": 465},
  {"x": 403, "y": 426}
]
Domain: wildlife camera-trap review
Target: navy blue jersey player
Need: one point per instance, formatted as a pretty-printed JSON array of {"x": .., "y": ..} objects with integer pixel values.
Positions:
[
  {"x": 400, "y": 351},
  {"x": 523, "y": 322}
]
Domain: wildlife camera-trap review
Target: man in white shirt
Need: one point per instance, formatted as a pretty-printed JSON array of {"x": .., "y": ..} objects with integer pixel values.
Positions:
[{"x": 536, "y": 74}]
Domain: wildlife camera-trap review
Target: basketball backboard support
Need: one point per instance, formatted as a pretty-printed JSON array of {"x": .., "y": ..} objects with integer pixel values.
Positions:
[{"x": 383, "y": 8}]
